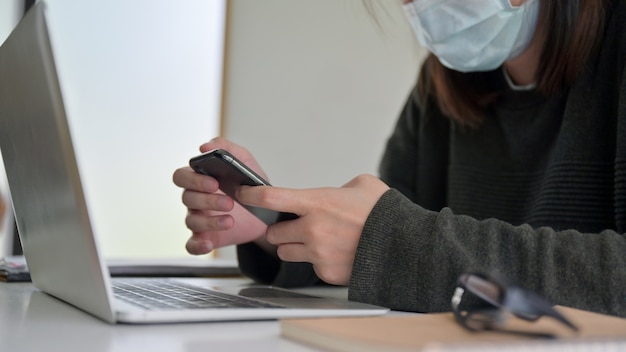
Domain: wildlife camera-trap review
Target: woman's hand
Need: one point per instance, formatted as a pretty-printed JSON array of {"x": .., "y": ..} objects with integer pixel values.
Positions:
[
  {"x": 214, "y": 218},
  {"x": 330, "y": 224}
]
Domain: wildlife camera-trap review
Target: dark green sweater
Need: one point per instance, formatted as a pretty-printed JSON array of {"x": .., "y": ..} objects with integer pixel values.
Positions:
[{"x": 538, "y": 192}]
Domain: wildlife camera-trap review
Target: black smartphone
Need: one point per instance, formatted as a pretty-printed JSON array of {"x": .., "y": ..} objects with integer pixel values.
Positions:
[{"x": 232, "y": 173}]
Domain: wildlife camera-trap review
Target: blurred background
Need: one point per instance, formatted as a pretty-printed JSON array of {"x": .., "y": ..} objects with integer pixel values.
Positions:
[{"x": 312, "y": 88}]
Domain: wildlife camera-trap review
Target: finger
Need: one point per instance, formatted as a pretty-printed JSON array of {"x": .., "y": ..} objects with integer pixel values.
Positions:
[
  {"x": 275, "y": 198},
  {"x": 216, "y": 143},
  {"x": 207, "y": 201},
  {"x": 292, "y": 252},
  {"x": 186, "y": 178},
  {"x": 223, "y": 143},
  {"x": 286, "y": 232},
  {"x": 198, "y": 221},
  {"x": 198, "y": 246}
]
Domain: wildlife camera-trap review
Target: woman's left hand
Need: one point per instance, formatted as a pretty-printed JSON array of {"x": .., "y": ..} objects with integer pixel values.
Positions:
[{"x": 330, "y": 224}]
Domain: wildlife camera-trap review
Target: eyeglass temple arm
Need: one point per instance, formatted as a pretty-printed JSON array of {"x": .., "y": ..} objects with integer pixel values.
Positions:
[{"x": 521, "y": 300}]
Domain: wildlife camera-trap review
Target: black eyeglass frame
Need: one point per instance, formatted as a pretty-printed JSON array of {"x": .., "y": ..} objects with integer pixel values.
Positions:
[{"x": 501, "y": 296}]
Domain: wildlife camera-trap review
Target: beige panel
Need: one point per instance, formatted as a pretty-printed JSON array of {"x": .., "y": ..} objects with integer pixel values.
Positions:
[{"x": 313, "y": 88}]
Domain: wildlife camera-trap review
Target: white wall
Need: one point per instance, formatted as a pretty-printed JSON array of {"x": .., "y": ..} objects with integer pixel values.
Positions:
[
  {"x": 141, "y": 81},
  {"x": 10, "y": 11}
]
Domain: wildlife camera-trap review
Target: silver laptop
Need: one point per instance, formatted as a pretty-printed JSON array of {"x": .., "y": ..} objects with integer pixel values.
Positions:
[{"x": 53, "y": 219}]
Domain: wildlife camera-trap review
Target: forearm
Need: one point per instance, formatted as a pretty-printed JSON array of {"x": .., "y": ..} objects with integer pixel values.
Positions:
[{"x": 414, "y": 256}]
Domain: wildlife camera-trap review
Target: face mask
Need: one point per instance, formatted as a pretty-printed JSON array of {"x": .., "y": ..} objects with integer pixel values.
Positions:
[{"x": 476, "y": 35}]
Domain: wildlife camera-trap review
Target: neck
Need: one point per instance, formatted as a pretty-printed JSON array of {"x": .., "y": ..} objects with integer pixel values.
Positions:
[{"x": 523, "y": 69}]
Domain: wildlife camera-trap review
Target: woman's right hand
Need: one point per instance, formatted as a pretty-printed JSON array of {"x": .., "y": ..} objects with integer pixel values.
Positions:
[{"x": 214, "y": 218}]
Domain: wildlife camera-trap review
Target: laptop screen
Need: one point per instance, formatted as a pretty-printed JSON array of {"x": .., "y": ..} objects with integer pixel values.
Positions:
[{"x": 46, "y": 191}]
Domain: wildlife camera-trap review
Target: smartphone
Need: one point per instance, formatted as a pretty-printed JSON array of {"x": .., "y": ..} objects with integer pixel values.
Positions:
[{"x": 232, "y": 173}]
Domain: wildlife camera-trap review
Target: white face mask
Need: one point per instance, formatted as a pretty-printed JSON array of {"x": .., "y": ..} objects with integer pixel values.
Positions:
[{"x": 473, "y": 35}]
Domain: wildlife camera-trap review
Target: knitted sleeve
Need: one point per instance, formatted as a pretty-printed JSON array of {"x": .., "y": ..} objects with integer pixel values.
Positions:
[{"x": 414, "y": 256}]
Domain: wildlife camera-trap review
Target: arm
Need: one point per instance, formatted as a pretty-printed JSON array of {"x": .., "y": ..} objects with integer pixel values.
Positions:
[{"x": 415, "y": 255}]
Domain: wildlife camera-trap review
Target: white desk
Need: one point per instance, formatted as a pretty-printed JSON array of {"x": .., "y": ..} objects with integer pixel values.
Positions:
[{"x": 30, "y": 320}]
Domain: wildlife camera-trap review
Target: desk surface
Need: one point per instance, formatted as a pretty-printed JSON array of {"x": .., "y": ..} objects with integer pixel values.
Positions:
[{"x": 31, "y": 320}]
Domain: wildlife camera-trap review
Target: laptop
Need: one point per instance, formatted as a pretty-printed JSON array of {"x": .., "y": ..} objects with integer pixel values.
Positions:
[{"x": 54, "y": 223}]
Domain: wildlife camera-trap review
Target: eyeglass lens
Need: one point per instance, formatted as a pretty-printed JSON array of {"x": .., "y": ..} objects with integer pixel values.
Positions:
[{"x": 515, "y": 300}]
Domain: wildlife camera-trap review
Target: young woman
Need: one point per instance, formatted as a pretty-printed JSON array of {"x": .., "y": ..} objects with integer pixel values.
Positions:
[{"x": 509, "y": 155}]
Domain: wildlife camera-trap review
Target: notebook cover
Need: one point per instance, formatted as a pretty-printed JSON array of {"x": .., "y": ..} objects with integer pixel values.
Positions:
[{"x": 430, "y": 332}]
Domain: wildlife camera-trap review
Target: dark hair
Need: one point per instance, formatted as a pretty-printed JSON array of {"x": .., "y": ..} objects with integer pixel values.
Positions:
[{"x": 573, "y": 29}]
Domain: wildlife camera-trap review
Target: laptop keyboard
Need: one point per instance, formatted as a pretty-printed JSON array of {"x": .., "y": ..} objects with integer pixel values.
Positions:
[{"x": 158, "y": 295}]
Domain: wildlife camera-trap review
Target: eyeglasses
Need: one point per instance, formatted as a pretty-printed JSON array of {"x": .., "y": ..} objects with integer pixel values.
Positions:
[{"x": 492, "y": 298}]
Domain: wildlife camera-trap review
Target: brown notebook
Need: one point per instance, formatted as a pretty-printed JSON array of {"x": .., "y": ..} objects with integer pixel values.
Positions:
[{"x": 440, "y": 332}]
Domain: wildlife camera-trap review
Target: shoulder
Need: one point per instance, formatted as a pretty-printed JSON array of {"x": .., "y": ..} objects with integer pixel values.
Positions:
[
  {"x": 606, "y": 66},
  {"x": 615, "y": 33}
]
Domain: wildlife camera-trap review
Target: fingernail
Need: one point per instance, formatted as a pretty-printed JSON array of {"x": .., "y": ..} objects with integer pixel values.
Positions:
[
  {"x": 223, "y": 222},
  {"x": 208, "y": 246},
  {"x": 223, "y": 204}
]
